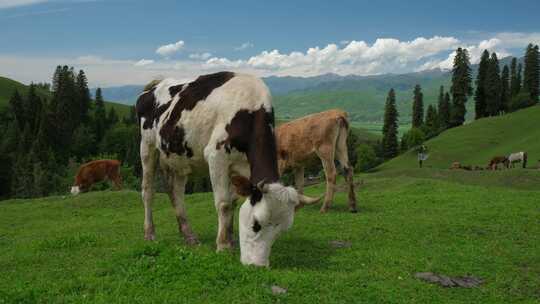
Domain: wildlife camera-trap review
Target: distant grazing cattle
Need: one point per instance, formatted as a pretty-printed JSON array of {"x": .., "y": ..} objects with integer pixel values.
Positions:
[
  {"x": 455, "y": 166},
  {"x": 325, "y": 135},
  {"x": 519, "y": 157},
  {"x": 97, "y": 171},
  {"x": 495, "y": 161},
  {"x": 223, "y": 121}
]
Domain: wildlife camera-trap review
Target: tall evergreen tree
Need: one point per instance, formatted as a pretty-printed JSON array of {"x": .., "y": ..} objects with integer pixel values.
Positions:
[
  {"x": 17, "y": 108},
  {"x": 432, "y": 126},
  {"x": 514, "y": 85},
  {"x": 100, "y": 116},
  {"x": 493, "y": 86},
  {"x": 505, "y": 90},
  {"x": 418, "y": 107},
  {"x": 519, "y": 79},
  {"x": 461, "y": 86},
  {"x": 443, "y": 110},
  {"x": 32, "y": 108},
  {"x": 531, "y": 73},
  {"x": 112, "y": 118},
  {"x": 390, "y": 128},
  {"x": 480, "y": 92},
  {"x": 83, "y": 95}
]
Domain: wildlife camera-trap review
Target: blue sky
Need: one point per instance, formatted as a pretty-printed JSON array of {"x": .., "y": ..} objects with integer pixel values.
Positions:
[{"x": 117, "y": 41}]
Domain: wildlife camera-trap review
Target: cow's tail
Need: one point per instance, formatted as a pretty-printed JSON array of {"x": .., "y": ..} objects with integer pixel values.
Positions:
[
  {"x": 524, "y": 160},
  {"x": 342, "y": 155}
]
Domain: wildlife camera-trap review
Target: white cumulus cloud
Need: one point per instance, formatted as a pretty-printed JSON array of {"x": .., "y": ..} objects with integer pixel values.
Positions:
[
  {"x": 169, "y": 49},
  {"x": 200, "y": 56},
  {"x": 15, "y": 3},
  {"x": 244, "y": 46}
]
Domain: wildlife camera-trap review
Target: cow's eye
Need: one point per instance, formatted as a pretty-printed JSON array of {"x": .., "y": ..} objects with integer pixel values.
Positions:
[{"x": 256, "y": 226}]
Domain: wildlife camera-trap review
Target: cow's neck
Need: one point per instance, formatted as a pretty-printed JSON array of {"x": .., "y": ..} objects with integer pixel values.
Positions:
[{"x": 261, "y": 152}]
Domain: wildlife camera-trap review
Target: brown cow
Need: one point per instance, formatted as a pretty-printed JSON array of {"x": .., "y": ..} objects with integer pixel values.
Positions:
[
  {"x": 325, "y": 135},
  {"x": 96, "y": 171},
  {"x": 495, "y": 161}
]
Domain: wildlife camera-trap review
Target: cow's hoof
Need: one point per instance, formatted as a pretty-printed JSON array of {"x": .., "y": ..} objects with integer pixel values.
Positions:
[
  {"x": 353, "y": 210},
  {"x": 323, "y": 210},
  {"x": 224, "y": 247},
  {"x": 150, "y": 237}
]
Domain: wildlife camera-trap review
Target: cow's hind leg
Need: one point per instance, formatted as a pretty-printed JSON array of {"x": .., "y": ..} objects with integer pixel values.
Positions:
[
  {"x": 223, "y": 198},
  {"x": 343, "y": 159},
  {"x": 326, "y": 154},
  {"x": 176, "y": 190},
  {"x": 116, "y": 179},
  {"x": 148, "y": 160}
]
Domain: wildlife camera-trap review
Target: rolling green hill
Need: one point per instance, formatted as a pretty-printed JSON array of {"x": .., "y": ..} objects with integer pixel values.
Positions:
[
  {"x": 8, "y": 87},
  {"x": 477, "y": 142}
]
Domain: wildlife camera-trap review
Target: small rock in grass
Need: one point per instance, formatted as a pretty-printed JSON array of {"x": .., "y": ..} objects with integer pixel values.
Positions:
[
  {"x": 446, "y": 281},
  {"x": 276, "y": 290},
  {"x": 340, "y": 244}
]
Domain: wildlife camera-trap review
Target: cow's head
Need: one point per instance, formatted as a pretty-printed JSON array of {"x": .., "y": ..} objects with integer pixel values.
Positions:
[
  {"x": 75, "y": 190},
  {"x": 267, "y": 212}
]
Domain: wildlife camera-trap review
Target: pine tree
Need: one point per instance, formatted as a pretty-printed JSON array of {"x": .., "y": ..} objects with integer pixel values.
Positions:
[
  {"x": 493, "y": 86},
  {"x": 112, "y": 118},
  {"x": 32, "y": 108},
  {"x": 83, "y": 95},
  {"x": 480, "y": 93},
  {"x": 390, "y": 128},
  {"x": 432, "y": 122},
  {"x": 461, "y": 86},
  {"x": 519, "y": 78},
  {"x": 17, "y": 108},
  {"x": 514, "y": 85},
  {"x": 531, "y": 73},
  {"x": 443, "y": 110},
  {"x": 418, "y": 107},
  {"x": 100, "y": 118},
  {"x": 505, "y": 90}
]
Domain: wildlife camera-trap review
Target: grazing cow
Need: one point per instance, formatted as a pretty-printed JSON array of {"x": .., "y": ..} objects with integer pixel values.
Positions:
[
  {"x": 223, "y": 121},
  {"x": 495, "y": 161},
  {"x": 96, "y": 171},
  {"x": 519, "y": 157},
  {"x": 325, "y": 135}
]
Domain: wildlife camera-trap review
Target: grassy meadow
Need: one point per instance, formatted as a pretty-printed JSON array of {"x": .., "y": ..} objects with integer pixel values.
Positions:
[{"x": 90, "y": 248}]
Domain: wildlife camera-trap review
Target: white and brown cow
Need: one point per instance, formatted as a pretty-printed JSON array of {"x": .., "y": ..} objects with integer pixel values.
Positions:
[
  {"x": 224, "y": 121},
  {"x": 325, "y": 135}
]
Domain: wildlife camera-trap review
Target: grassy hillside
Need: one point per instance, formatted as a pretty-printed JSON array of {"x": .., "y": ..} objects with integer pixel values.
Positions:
[
  {"x": 8, "y": 87},
  {"x": 89, "y": 249},
  {"x": 477, "y": 142}
]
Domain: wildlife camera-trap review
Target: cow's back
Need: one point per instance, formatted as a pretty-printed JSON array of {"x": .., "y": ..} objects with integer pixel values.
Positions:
[{"x": 187, "y": 118}]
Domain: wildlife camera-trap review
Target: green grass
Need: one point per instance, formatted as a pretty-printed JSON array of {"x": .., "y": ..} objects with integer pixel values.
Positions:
[
  {"x": 477, "y": 142},
  {"x": 89, "y": 249}
]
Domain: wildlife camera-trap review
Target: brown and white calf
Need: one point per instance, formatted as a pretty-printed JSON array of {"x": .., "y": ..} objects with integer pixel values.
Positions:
[
  {"x": 225, "y": 122},
  {"x": 97, "y": 171},
  {"x": 324, "y": 135}
]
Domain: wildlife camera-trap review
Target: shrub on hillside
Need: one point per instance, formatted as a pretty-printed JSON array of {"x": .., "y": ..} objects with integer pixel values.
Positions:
[
  {"x": 412, "y": 138},
  {"x": 366, "y": 158}
]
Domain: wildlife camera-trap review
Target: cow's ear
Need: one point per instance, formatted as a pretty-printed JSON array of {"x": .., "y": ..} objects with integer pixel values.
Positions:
[{"x": 243, "y": 185}]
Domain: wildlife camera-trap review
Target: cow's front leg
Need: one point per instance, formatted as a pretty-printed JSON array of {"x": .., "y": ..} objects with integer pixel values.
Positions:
[
  {"x": 177, "y": 186},
  {"x": 223, "y": 200}
]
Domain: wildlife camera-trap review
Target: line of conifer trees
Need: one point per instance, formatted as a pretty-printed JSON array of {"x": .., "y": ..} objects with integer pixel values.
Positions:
[
  {"x": 496, "y": 93},
  {"x": 52, "y": 128}
]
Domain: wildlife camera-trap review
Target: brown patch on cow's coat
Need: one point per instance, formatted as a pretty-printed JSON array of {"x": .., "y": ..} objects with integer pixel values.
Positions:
[
  {"x": 195, "y": 91},
  {"x": 245, "y": 188},
  {"x": 251, "y": 133},
  {"x": 96, "y": 171}
]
